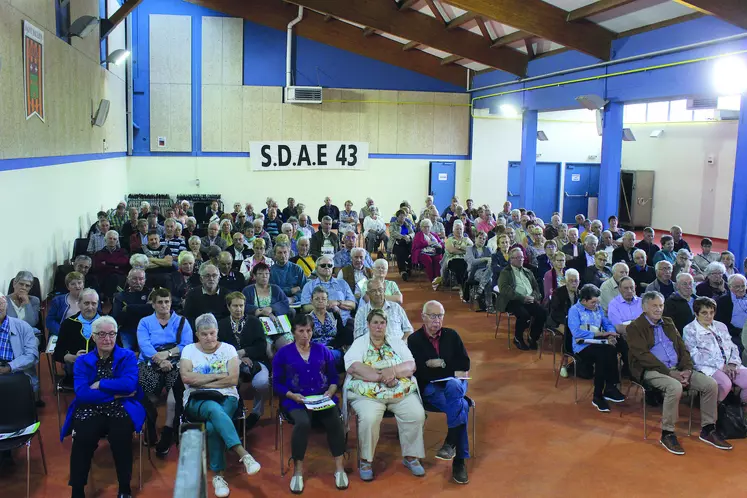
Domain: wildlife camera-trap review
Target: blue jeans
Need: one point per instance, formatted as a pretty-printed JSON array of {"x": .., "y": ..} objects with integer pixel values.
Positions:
[
  {"x": 221, "y": 433},
  {"x": 448, "y": 397}
]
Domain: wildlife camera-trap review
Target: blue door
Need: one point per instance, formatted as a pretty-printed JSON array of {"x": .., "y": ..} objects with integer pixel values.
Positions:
[
  {"x": 442, "y": 183},
  {"x": 581, "y": 183},
  {"x": 546, "y": 190},
  {"x": 514, "y": 183}
]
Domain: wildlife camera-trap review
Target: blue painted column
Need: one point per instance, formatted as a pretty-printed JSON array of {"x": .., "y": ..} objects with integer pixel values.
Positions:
[
  {"x": 609, "y": 174},
  {"x": 528, "y": 158},
  {"x": 738, "y": 217}
]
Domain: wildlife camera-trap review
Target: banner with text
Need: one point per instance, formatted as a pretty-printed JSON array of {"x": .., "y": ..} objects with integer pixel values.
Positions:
[{"x": 295, "y": 156}]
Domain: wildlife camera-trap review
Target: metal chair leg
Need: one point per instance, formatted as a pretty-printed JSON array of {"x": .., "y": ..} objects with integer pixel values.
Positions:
[
  {"x": 28, "y": 468},
  {"x": 474, "y": 430},
  {"x": 690, "y": 421},
  {"x": 563, "y": 362},
  {"x": 57, "y": 392},
  {"x": 280, "y": 428},
  {"x": 497, "y": 322},
  {"x": 575, "y": 383},
  {"x": 645, "y": 413},
  {"x": 41, "y": 448},
  {"x": 140, "y": 460}
]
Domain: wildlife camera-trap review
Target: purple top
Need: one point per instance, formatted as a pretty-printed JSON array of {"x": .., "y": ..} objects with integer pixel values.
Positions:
[
  {"x": 663, "y": 348},
  {"x": 621, "y": 311},
  {"x": 292, "y": 373}
]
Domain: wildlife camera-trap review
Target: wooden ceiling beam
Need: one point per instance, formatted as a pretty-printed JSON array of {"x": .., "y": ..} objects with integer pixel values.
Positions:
[
  {"x": 545, "y": 21},
  {"x": 483, "y": 28},
  {"x": 437, "y": 13},
  {"x": 461, "y": 20},
  {"x": 384, "y": 16},
  {"x": 328, "y": 18},
  {"x": 277, "y": 14},
  {"x": 106, "y": 26},
  {"x": 596, "y": 8},
  {"x": 530, "y": 48},
  {"x": 410, "y": 45},
  {"x": 406, "y": 4},
  {"x": 511, "y": 38},
  {"x": 731, "y": 11},
  {"x": 368, "y": 32},
  {"x": 450, "y": 60}
]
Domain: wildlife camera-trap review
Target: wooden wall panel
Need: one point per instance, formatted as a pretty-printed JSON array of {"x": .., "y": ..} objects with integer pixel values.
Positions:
[
  {"x": 460, "y": 120},
  {"x": 212, "y": 50},
  {"x": 272, "y": 113},
  {"x": 212, "y": 113},
  {"x": 233, "y": 51},
  {"x": 442, "y": 130},
  {"x": 369, "y": 120},
  {"x": 407, "y": 115},
  {"x": 312, "y": 122},
  {"x": 252, "y": 116},
  {"x": 231, "y": 118},
  {"x": 424, "y": 117},
  {"x": 350, "y": 127},
  {"x": 388, "y": 124},
  {"x": 331, "y": 114},
  {"x": 292, "y": 122},
  {"x": 180, "y": 119}
]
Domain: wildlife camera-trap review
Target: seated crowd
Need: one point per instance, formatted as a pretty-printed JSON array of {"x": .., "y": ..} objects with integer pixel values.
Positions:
[{"x": 264, "y": 300}]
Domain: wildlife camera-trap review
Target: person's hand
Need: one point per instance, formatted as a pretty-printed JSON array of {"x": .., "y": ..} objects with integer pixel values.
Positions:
[
  {"x": 160, "y": 356},
  {"x": 609, "y": 334},
  {"x": 296, "y": 397},
  {"x": 81, "y": 352},
  {"x": 731, "y": 371},
  {"x": 434, "y": 363},
  {"x": 131, "y": 395},
  {"x": 528, "y": 299},
  {"x": 95, "y": 385},
  {"x": 460, "y": 373},
  {"x": 247, "y": 361},
  {"x": 334, "y": 309},
  {"x": 23, "y": 297},
  {"x": 295, "y": 290},
  {"x": 387, "y": 375},
  {"x": 686, "y": 375},
  {"x": 328, "y": 393},
  {"x": 267, "y": 311},
  {"x": 5, "y": 369},
  {"x": 165, "y": 366}
]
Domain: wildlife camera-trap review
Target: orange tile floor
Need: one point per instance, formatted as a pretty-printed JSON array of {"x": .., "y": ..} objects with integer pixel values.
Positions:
[{"x": 532, "y": 441}]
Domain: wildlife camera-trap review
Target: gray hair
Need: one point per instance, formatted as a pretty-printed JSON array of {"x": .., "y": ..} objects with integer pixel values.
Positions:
[
  {"x": 206, "y": 321},
  {"x": 322, "y": 258},
  {"x": 596, "y": 223},
  {"x": 286, "y": 225},
  {"x": 380, "y": 262},
  {"x": 24, "y": 275},
  {"x": 319, "y": 290},
  {"x": 225, "y": 222},
  {"x": 686, "y": 252},
  {"x": 184, "y": 255},
  {"x": 512, "y": 251},
  {"x": 194, "y": 237},
  {"x": 326, "y": 218},
  {"x": 641, "y": 251},
  {"x": 629, "y": 235},
  {"x": 303, "y": 238},
  {"x": 357, "y": 250},
  {"x": 135, "y": 270},
  {"x": 425, "y": 222},
  {"x": 83, "y": 257},
  {"x": 683, "y": 275},
  {"x": 192, "y": 219},
  {"x": 736, "y": 276},
  {"x": 349, "y": 231},
  {"x": 257, "y": 220},
  {"x": 170, "y": 220},
  {"x": 574, "y": 230},
  {"x": 139, "y": 260},
  {"x": 563, "y": 226},
  {"x": 572, "y": 271},
  {"x": 591, "y": 238},
  {"x": 204, "y": 268},
  {"x": 433, "y": 301},
  {"x": 145, "y": 204},
  {"x": 650, "y": 296},
  {"x": 715, "y": 267},
  {"x": 457, "y": 223},
  {"x": 662, "y": 263},
  {"x": 620, "y": 264},
  {"x": 116, "y": 234},
  {"x": 214, "y": 223},
  {"x": 97, "y": 323},
  {"x": 515, "y": 211},
  {"x": 623, "y": 280},
  {"x": 87, "y": 292}
]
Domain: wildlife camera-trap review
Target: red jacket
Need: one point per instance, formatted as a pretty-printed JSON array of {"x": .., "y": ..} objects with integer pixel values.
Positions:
[{"x": 107, "y": 262}]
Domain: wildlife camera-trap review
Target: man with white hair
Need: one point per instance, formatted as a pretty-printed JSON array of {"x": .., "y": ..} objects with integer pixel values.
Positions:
[
  {"x": 573, "y": 248},
  {"x": 213, "y": 238},
  {"x": 610, "y": 288},
  {"x": 731, "y": 308},
  {"x": 305, "y": 226},
  {"x": 329, "y": 209},
  {"x": 679, "y": 242},
  {"x": 551, "y": 230},
  {"x": 624, "y": 252},
  {"x": 441, "y": 368},
  {"x": 174, "y": 242},
  {"x": 663, "y": 282},
  {"x": 374, "y": 230},
  {"x": 397, "y": 324},
  {"x": 625, "y": 307},
  {"x": 325, "y": 241},
  {"x": 427, "y": 209},
  {"x": 258, "y": 227},
  {"x": 110, "y": 264},
  {"x": 356, "y": 272},
  {"x": 144, "y": 210},
  {"x": 130, "y": 306},
  {"x": 343, "y": 257},
  {"x": 515, "y": 222},
  {"x": 679, "y": 306},
  {"x": 208, "y": 298}
]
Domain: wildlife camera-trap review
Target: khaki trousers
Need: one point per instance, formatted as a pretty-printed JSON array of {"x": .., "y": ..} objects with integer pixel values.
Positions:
[
  {"x": 672, "y": 389},
  {"x": 410, "y": 420}
]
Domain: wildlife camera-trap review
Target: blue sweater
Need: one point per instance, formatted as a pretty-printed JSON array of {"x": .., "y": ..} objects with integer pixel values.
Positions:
[
  {"x": 151, "y": 335},
  {"x": 123, "y": 383},
  {"x": 278, "y": 300},
  {"x": 288, "y": 276}
]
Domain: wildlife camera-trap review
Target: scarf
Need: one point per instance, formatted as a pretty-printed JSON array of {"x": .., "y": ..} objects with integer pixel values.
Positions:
[{"x": 87, "y": 331}]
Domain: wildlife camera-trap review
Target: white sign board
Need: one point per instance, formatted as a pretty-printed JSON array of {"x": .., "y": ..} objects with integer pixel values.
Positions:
[
  {"x": 295, "y": 156},
  {"x": 576, "y": 178},
  {"x": 442, "y": 177}
]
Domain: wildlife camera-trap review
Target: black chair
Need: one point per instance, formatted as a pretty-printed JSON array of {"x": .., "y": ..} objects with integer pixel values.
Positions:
[
  {"x": 284, "y": 418},
  {"x": 17, "y": 416},
  {"x": 645, "y": 388},
  {"x": 35, "y": 289},
  {"x": 80, "y": 246}
]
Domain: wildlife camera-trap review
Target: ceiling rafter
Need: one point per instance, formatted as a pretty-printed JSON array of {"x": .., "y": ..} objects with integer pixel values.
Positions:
[
  {"x": 511, "y": 38},
  {"x": 411, "y": 25},
  {"x": 410, "y": 45},
  {"x": 108, "y": 25},
  {"x": 368, "y": 32},
  {"x": 277, "y": 14},
  {"x": 452, "y": 59},
  {"x": 461, "y": 20},
  {"x": 596, "y": 8},
  {"x": 436, "y": 12},
  {"x": 731, "y": 11},
  {"x": 545, "y": 21},
  {"x": 483, "y": 28},
  {"x": 530, "y": 48},
  {"x": 406, "y": 4}
]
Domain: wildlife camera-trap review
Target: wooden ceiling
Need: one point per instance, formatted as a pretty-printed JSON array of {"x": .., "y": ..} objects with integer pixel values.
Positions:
[{"x": 440, "y": 38}]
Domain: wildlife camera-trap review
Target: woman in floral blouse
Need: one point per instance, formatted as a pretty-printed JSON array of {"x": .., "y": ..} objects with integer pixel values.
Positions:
[
  {"x": 325, "y": 330},
  {"x": 380, "y": 377}
]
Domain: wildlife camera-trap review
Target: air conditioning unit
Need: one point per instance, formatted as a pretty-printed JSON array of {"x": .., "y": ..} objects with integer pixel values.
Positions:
[
  {"x": 303, "y": 95},
  {"x": 698, "y": 104},
  {"x": 728, "y": 115}
]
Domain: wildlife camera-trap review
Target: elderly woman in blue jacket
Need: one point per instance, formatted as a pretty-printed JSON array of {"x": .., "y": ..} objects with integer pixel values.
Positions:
[
  {"x": 586, "y": 321},
  {"x": 107, "y": 403},
  {"x": 264, "y": 299}
]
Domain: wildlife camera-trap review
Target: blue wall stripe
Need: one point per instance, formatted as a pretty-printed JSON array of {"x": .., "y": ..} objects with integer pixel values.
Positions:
[{"x": 38, "y": 162}]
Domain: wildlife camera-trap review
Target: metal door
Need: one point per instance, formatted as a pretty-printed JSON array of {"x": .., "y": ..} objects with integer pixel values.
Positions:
[
  {"x": 546, "y": 188},
  {"x": 514, "y": 183},
  {"x": 581, "y": 187},
  {"x": 442, "y": 183},
  {"x": 643, "y": 198}
]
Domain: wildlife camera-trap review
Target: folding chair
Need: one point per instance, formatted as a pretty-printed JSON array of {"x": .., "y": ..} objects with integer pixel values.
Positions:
[
  {"x": 58, "y": 380},
  {"x": 472, "y": 405},
  {"x": 498, "y": 316},
  {"x": 18, "y": 414},
  {"x": 568, "y": 358},
  {"x": 239, "y": 415},
  {"x": 552, "y": 332},
  {"x": 284, "y": 418},
  {"x": 642, "y": 388}
]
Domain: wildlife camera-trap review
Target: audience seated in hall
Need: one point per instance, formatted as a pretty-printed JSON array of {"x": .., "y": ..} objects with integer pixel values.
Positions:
[
  {"x": 230, "y": 279},
  {"x": 598, "y": 272},
  {"x": 160, "y": 257},
  {"x": 343, "y": 257},
  {"x": 727, "y": 258},
  {"x": 428, "y": 250},
  {"x": 20, "y": 351},
  {"x": 304, "y": 259},
  {"x": 625, "y": 307},
  {"x": 683, "y": 264},
  {"x": 667, "y": 252},
  {"x": 110, "y": 265},
  {"x": 374, "y": 231},
  {"x": 325, "y": 241},
  {"x": 329, "y": 209},
  {"x": 264, "y": 299},
  {"x": 401, "y": 234},
  {"x": 259, "y": 249},
  {"x": 22, "y": 305},
  {"x": 640, "y": 272},
  {"x": 624, "y": 251},
  {"x": 706, "y": 257},
  {"x": 391, "y": 289},
  {"x": 714, "y": 285},
  {"x": 74, "y": 336},
  {"x": 341, "y": 300},
  {"x": 208, "y": 297},
  {"x": 238, "y": 250}
]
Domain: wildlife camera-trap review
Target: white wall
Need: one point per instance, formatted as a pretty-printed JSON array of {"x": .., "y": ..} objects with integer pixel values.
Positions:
[
  {"x": 387, "y": 181},
  {"x": 687, "y": 191},
  {"x": 48, "y": 208}
]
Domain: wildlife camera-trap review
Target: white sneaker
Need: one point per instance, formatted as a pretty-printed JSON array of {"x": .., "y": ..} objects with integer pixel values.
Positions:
[
  {"x": 250, "y": 464},
  {"x": 221, "y": 487},
  {"x": 341, "y": 480}
]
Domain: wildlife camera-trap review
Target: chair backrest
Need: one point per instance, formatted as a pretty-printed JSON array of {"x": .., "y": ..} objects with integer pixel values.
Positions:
[
  {"x": 21, "y": 412},
  {"x": 80, "y": 246}
]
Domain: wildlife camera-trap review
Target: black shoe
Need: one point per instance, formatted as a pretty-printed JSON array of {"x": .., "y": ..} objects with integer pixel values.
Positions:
[
  {"x": 405, "y": 276},
  {"x": 672, "y": 445},
  {"x": 533, "y": 344},
  {"x": 251, "y": 420},
  {"x": 600, "y": 404},
  {"x": 613, "y": 394},
  {"x": 164, "y": 444},
  {"x": 459, "y": 473},
  {"x": 520, "y": 344}
]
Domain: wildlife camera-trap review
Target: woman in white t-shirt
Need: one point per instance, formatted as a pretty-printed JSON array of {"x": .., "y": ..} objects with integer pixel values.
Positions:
[{"x": 210, "y": 372}]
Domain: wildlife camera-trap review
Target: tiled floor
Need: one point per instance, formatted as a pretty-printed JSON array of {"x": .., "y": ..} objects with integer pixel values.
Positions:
[{"x": 533, "y": 441}]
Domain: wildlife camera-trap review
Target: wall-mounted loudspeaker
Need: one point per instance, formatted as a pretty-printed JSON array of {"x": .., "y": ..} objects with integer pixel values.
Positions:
[{"x": 99, "y": 118}]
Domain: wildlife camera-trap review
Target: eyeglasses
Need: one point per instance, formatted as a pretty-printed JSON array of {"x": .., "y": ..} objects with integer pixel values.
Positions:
[
  {"x": 325, "y": 265},
  {"x": 109, "y": 335},
  {"x": 211, "y": 276},
  {"x": 434, "y": 316}
]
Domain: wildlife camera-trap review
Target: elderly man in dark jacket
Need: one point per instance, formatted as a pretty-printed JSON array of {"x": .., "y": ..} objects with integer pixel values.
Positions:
[{"x": 679, "y": 305}]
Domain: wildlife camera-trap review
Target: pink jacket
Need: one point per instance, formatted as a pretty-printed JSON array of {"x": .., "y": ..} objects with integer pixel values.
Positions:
[{"x": 419, "y": 243}]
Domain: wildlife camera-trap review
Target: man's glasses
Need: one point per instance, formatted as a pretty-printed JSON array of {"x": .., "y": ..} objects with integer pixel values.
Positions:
[
  {"x": 110, "y": 335},
  {"x": 211, "y": 276},
  {"x": 434, "y": 316},
  {"x": 325, "y": 265}
]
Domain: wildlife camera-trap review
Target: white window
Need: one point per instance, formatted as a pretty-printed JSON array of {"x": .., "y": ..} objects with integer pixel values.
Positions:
[
  {"x": 658, "y": 112},
  {"x": 678, "y": 111},
  {"x": 634, "y": 113}
]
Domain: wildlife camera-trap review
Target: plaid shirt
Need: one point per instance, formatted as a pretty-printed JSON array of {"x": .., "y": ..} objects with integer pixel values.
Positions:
[
  {"x": 117, "y": 221},
  {"x": 6, "y": 352}
]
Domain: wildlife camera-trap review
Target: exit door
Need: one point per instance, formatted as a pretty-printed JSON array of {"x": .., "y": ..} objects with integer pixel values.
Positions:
[
  {"x": 581, "y": 185},
  {"x": 546, "y": 188},
  {"x": 442, "y": 183}
]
